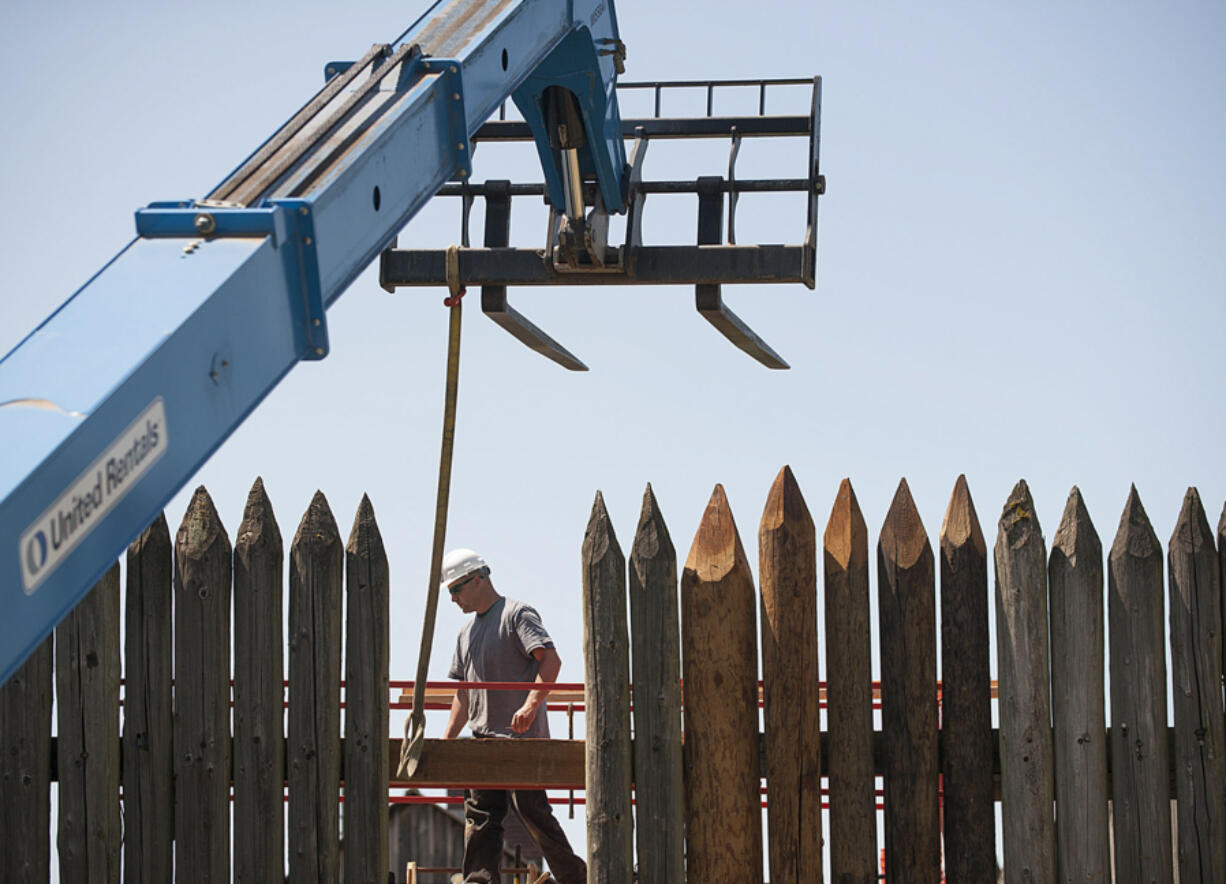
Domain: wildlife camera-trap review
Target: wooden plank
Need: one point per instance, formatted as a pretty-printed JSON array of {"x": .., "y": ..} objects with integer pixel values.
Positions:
[
  {"x": 202, "y": 694},
  {"x": 148, "y": 710},
  {"x": 367, "y": 654},
  {"x": 1139, "y": 752},
  {"x": 849, "y": 695},
  {"x": 315, "y": 597},
  {"x": 1075, "y": 580},
  {"x": 606, "y": 677},
  {"x": 787, "y": 569},
  {"x": 655, "y": 637},
  {"x": 966, "y": 710},
  {"x": 906, "y": 601},
  {"x": 719, "y": 657},
  {"x": 25, "y": 770},
  {"x": 495, "y": 764},
  {"x": 1196, "y": 679},
  {"x": 259, "y": 714},
  {"x": 87, "y": 720},
  {"x": 1022, "y": 648}
]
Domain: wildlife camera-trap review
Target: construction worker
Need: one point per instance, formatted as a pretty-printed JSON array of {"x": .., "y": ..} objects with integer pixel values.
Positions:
[{"x": 505, "y": 641}]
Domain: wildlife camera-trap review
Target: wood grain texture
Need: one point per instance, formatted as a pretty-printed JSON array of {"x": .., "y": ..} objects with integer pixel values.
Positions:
[
  {"x": 906, "y": 601},
  {"x": 1075, "y": 581},
  {"x": 719, "y": 664},
  {"x": 1196, "y": 680},
  {"x": 655, "y": 642},
  {"x": 87, "y": 719},
  {"x": 787, "y": 563},
  {"x": 966, "y": 719},
  {"x": 314, "y": 732},
  {"x": 148, "y": 711},
  {"x": 367, "y": 657},
  {"x": 1139, "y": 751},
  {"x": 1026, "y": 760},
  {"x": 259, "y": 713},
  {"x": 202, "y": 694},
  {"x": 849, "y": 694},
  {"x": 25, "y": 770},
  {"x": 606, "y": 676}
]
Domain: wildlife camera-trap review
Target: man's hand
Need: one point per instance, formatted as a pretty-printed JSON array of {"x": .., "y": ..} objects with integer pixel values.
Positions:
[{"x": 524, "y": 716}]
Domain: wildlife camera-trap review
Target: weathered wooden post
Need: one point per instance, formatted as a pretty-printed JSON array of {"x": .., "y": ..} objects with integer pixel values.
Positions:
[
  {"x": 1075, "y": 580},
  {"x": 367, "y": 655},
  {"x": 148, "y": 709},
  {"x": 655, "y": 640},
  {"x": 906, "y": 601},
  {"x": 202, "y": 694},
  {"x": 1139, "y": 755},
  {"x": 719, "y": 662},
  {"x": 25, "y": 770},
  {"x": 966, "y": 694},
  {"x": 849, "y": 695},
  {"x": 787, "y": 563},
  {"x": 606, "y": 671},
  {"x": 259, "y": 713},
  {"x": 314, "y": 742},
  {"x": 1027, "y": 789},
  {"x": 1196, "y": 678}
]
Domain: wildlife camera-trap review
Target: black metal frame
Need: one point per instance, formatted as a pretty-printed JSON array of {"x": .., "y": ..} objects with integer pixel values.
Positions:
[{"x": 707, "y": 265}]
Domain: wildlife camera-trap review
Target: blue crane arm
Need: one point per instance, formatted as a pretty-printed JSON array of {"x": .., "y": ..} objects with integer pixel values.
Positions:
[{"x": 116, "y": 399}]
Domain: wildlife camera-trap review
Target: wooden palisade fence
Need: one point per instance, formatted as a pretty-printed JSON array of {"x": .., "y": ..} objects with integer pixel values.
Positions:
[
  {"x": 697, "y": 799},
  {"x": 177, "y": 748},
  {"x": 1056, "y": 767}
]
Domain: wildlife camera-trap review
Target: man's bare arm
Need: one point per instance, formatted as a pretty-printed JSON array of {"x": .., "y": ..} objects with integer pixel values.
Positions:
[
  {"x": 551, "y": 665},
  {"x": 458, "y": 716}
]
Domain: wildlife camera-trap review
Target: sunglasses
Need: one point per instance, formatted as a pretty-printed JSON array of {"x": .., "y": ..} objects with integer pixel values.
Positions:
[{"x": 455, "y": 588}]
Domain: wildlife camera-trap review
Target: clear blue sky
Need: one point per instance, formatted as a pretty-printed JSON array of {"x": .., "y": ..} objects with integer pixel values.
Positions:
[{"x": 1022, "y": 262}]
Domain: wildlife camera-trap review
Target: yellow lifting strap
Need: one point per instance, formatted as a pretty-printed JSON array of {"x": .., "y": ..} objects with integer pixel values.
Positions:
[{"x": 415, "y": 725}]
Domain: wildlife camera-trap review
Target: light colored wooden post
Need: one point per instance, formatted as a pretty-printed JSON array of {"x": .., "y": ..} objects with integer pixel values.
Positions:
[
  {"x": 787, "y": 563},
  {"x": 25, "y": 770},
  {"x": 906, "y": 601},
  {"x": 606, "y": 669},
  {"x": 148, "y": 712},
  {"x": 1026, "y": 785},
  {"x": 1196, "y": 678},
  {"x": 367, "y": 655},
  {"x": 719, "y": 662},
  {"x": 259, "y": 713},
  {"x": 202, "y": 694},
  {"x": 966, "y": 694},
  {"x": 655, "y": 638},
  {"x": 314, "y": 743},
  {"x": 1140, "y": 769},
  {"x": 849, "y": 695},
  {"x": 1075, "y": 578}
]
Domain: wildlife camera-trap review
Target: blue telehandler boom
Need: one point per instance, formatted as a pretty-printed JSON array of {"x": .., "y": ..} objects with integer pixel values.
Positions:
[{"x": 111, "y": 404}]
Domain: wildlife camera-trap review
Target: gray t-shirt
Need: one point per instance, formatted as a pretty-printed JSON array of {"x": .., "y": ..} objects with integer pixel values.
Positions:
[{"x": 498, "y": 646}]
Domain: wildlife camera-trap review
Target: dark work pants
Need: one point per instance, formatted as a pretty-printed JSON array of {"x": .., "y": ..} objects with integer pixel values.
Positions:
[{"x": 484, "y": 810}]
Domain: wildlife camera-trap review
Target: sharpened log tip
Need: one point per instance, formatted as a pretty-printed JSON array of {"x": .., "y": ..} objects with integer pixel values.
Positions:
[
  {"x": 785, "y": 503},
  {"x": 599, "y": 539},
  {"x": 201, "y": 527},
  {"x": 717, "y": 549},
  {"x": 318, "y": 524},
  {"x": 1018, "y": 521},
  {"x": 1192, "y": 528},
  {"x": 961, "y": 523},
  {"x": 845, "y": 529},
  {"x": 259, "y": 526},
  {"x": 1076, "y": 534},
  {"x": 651, "y": 538},
  {"x": 903, "y": 539},
  {"x": 1135, "y": 537}
]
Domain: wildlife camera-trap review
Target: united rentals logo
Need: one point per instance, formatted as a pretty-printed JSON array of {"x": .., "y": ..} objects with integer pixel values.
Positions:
[{"x": 80, "y": 508}]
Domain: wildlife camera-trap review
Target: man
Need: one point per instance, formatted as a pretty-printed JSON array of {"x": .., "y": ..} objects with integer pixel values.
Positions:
[{"x": 505, "y": 641}]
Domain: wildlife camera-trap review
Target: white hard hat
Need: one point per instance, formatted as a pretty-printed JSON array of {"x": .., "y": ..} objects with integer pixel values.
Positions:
[{"x": 459, "y": 563}]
